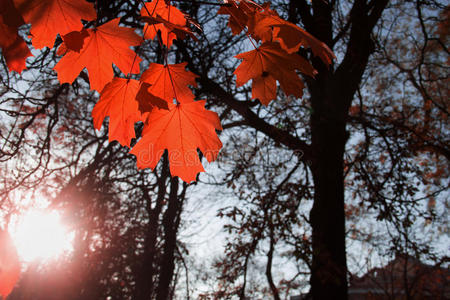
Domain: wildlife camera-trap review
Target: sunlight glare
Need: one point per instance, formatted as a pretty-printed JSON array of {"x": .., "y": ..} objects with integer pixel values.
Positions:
[{"x": 41, "y": 235}]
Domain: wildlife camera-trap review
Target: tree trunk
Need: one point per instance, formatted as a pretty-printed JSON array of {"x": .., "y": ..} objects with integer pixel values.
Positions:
[
  {"x": 332, "y": 93},
  {"x": 329, "y": 266},
  {"x": 170, "y": 223},
  {"x": 145, "y": 279}
]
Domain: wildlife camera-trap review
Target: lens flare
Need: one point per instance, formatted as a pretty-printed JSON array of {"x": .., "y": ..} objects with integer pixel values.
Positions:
[{"x": 41, "y": 235}]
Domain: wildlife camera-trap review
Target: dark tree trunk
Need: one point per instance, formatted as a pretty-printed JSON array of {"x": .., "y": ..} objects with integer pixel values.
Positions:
[
  {"x": 145, "y": 279},
  {"x": 170, "y": 222},
  {"x": 328, "y": 138},
  {"x": 329, "y": 266},
  {"x": 332, "y": 92}
]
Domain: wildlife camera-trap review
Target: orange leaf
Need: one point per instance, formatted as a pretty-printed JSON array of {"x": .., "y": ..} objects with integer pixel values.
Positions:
[
  {"x": 257, "y": 20},
  {"x": 291, "y": 37},
  {"x": 181, "y": 130},
  {"x": 14, "y": 48},
  {"x": 169, "y": 13},
  {"x": 50, "y": 17},
  {"x": 9, "y": 264},
  {"x": 240, "y": 14},
  {"x": 170, "y": 82},
  {"x": 267, "y": 25},
  {"x": 180, "y": 31},
  {"x": 238, "y": 19},
  {"x": 265, "y": 62},
  {"x": 264, "y": 88},
  {"x": 117, "y": 101},
  {"x": 105, "y": 45}
]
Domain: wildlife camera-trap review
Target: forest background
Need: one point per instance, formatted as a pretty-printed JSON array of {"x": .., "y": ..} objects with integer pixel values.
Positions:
[{"x": 310, "y": 191}]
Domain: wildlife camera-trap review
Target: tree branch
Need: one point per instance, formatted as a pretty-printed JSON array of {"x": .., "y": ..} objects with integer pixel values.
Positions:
[{"x": 302, "y": 148}]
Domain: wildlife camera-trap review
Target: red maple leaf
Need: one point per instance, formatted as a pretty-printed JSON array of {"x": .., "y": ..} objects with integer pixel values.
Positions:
[
  {"x": 238, "y": 19},
  {"x": 9, "y": 264},
  {"x": 240, "y": 13},
  {"x": 105, "y": 45},
  {"x": 14, "y": 48},
  {"x": 181, "y": 130},
  {"x": 117, "y": 101},
  {"x": 165, "y": 15},
  {"x": 50, "y": 17},
  {"x": 264, "y": 88},
  {"x": 269, "y": 63},
  {"x": 267, "y": 25},
  {"x": 180, "y": 31},
  {"x": 170, "y": 82}
]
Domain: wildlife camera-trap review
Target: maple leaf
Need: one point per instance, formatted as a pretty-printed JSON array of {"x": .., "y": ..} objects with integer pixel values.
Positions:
[
  {"x": 105, "y": 45},
  {"x": 170, "y": 82},
  {"x": 267, "y": 25},
  {"x": 240, "y": 14},
  {"x": 14, "y": 48},
  {"x": 117, "y": 101},
  {"x": 264, "y": 88},
  {"x": 180, "y": 31},
  {"x": 238, "y": 19},
  {"x": 291, "y": 37},
  {"x": 9, "y": 264},
  {"x": 256, "y": 25},
  {"x": 170, "y": 14},
  {"x": 181, "y": 130},
  {"x": 50, "y": 17},
  {"x": 269, "y": 63}
]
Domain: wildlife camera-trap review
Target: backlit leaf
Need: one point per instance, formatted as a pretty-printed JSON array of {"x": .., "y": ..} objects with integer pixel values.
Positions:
[
  {"x": 14, "y": 48},
  {"x": 50, "y": 17},
  {"x": 269, "y": 63},
  {"x": 117, "y": 101},
  {"x": 104, "y": 46},
  {"x": 238, "y": 18},
  {"x": 169, "y": 13},
  {"x": 267, "y": 25},
  {"x": 170, "y": 82},
  {"x": 181, "y": 130}
]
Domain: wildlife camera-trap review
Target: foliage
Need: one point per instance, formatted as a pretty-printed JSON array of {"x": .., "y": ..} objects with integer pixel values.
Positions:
[
  {"x": 367, "y": 144},
  {"x": 96, "y": 49}
]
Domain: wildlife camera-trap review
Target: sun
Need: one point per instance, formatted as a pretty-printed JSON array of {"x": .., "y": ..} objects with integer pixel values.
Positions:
[{"x": 41, "y": 235}]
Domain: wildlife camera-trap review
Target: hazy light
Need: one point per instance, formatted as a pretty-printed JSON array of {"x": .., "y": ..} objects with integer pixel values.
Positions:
[{"x": 41, "y": 235}]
